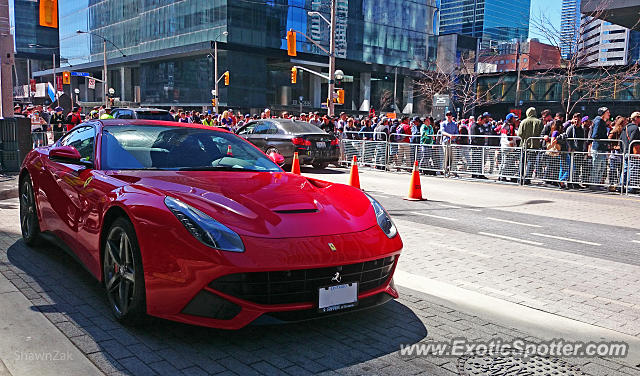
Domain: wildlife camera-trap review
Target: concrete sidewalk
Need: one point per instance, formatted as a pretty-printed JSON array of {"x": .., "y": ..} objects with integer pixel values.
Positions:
[
  {"x": 8, "y": 186},
  {"x": 30, "y": 344}
]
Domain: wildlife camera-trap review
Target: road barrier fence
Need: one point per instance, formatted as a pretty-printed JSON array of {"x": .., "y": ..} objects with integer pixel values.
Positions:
[{"x": 507, "y": 158}]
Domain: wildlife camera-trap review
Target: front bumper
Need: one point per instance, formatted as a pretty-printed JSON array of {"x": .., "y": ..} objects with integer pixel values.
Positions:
[{"x": 181, "y": 286}]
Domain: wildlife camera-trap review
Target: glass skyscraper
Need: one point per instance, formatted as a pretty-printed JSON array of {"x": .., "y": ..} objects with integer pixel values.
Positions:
[
  {"x": 492, "y": 21},
  {"x": 166, "y": 44},
  {"x": 569, "y": 27}
]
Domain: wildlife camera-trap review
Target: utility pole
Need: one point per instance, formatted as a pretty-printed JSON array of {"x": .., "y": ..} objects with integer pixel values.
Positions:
[
  {"x": 332, "y": 58},
  {"x": 517, "y": 101}
]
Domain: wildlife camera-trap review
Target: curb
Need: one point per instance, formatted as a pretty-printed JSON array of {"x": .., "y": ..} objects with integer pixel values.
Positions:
[{"x": 8, "y": 187}]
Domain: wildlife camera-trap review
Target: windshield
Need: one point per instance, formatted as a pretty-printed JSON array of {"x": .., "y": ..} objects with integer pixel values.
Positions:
[
  {"x": 138, "y": 147},
  {"x": 155, "y": 115},
  {"x": 300, "y": 127}
]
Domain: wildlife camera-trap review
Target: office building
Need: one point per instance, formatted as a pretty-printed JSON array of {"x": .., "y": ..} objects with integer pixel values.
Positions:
[
  {"x": 492, "y": 21},
  {"x": 162, "y": 50},
  {"x": 533, "y": 56}
]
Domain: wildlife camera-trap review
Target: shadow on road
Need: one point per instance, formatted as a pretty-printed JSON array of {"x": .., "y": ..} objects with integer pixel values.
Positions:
[{"x": 74, "y": 301}]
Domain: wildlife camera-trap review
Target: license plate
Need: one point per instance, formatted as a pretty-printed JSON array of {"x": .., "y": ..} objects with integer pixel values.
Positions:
[
  {"x": 321, "y": 145},
  {"x": 334, "y": 298}
]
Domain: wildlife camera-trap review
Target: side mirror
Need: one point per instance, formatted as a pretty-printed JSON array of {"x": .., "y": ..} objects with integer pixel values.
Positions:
[
  {"x": 276, "y": 158},
  {"x": 68, "y": 154}
]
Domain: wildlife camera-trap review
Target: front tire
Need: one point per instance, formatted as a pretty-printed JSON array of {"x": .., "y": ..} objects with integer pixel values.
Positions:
[
  {"x": 29, "y": 224},
  {"x": 123, "y": 274}
]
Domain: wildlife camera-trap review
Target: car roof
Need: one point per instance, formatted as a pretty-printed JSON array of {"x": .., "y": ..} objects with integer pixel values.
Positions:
[
  {"x": 114, "y": 122},
  {"x": 140, "y": 109}
]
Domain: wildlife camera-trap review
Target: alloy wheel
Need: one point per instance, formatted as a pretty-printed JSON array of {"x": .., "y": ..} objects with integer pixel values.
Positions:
[{"x": 119, "y": 270}]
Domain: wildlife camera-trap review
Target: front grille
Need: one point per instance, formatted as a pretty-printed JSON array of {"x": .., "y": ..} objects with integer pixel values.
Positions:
[{"x": 301, "y": 286}]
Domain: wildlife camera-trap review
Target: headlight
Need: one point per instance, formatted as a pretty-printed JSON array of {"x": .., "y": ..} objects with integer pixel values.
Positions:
[
  {"x": 384, "y": 221},
  {"x": 204, "y": 228}
]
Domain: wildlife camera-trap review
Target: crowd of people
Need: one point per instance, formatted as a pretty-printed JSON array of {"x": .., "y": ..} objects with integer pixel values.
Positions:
[{"x": 597, "y": 144}]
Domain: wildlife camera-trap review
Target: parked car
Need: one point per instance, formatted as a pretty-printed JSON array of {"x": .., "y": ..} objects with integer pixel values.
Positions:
[
  {"x": 194, "y": 224},
  {"x": 142, "y": 113},
  {"x": 283, "y": 136}
]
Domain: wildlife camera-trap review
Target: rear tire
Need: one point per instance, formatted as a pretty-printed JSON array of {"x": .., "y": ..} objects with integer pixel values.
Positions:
[
  {"x": 320, "y": 165},
  {"x": 122, "y": 273},
  {"x": 29, "y": 224}
]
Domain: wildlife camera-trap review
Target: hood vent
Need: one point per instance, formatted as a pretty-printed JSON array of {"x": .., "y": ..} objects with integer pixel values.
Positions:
[{"x": 296, "y": 211}]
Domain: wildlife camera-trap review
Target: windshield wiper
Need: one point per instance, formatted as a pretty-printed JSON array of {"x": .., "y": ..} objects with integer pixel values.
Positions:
[{"x": 215, "y": 168}]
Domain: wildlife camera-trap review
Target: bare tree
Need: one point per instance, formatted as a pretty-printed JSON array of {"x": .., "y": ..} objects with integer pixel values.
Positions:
[
  {"x": 460, "y": 84},
  {"x": 580, "y": 79},
  {"x": 386, "y": 99}
]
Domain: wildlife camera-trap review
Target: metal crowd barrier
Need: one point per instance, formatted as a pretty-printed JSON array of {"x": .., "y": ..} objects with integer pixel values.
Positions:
[
  {"x": 590, "y": 168},
  {"x": 631, "y": 169},
  {"x": 517, "y": 163},
  {"x": 45, "y": 138}
]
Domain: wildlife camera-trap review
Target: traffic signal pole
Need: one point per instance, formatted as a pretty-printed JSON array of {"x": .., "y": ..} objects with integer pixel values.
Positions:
[
  {"x": 332, "y": 59},
  {"x": 215, "y": 71}
]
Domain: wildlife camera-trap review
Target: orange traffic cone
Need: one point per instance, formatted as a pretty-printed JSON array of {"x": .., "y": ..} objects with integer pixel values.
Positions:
[
  {"x": 354, "y": 178},
  {"x": 415, "y": 189},
  {"x": 295, "y": 166}
]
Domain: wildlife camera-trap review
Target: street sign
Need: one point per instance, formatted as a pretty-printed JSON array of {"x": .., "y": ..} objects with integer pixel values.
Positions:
[
  {"x": 59, "y": 83},
  {"x": 92, "y": 83},
  {"x": 80, "y": 74}
]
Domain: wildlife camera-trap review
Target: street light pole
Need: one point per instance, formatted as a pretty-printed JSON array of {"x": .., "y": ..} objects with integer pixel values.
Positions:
[
  {"x": 332, "y": 58},
  {"x": 55, "y": 84},
  {"x": 517, "y": 100},
  {"x": 104, "y": 72}
]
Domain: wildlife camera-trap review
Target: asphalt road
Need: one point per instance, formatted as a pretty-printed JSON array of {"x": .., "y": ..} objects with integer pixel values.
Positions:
[{"x": 580, "y": 236}]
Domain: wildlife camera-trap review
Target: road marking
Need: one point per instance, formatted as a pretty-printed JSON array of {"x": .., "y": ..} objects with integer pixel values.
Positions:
[
  {"x": 636, "y": 241},
  {"x": 504, "y": 237},
  {"x": 567, "y": 239},
  {"x": 449, "y": 206},
  {"x": 434, "y": 216},
  {"x": 473, "y": 210},
  {"x": 514, "y": 222}
]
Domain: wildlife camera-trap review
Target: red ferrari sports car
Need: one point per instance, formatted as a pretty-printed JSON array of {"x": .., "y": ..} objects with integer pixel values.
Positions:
[{"x": 196, "y": 225}]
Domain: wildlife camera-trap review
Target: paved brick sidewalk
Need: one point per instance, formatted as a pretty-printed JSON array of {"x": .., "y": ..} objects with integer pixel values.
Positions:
[
  {"x": 571, "y": 285},
  {"x": 361, "y": 343}
]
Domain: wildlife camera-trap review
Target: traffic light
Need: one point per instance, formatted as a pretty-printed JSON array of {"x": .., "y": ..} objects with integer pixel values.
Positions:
[
  {"x": 226, "y": 78},
  {"x": 213, "y": 102},
  {"x": 291, "y": 43},
  {"x": 66, "y": 78},
  {"x": 294, "y": 75},
  {"x": 340, "y": 96}
]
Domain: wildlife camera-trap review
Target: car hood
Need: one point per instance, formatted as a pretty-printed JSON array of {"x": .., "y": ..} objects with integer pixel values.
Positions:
[{"x": 264, "y": 204}]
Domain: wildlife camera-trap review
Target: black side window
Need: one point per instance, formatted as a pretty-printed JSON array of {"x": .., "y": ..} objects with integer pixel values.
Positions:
[{"x": 82, "y": 139}]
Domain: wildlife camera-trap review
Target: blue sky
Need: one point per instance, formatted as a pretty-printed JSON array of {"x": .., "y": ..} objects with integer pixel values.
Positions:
[{"x": 550, "y": 8}]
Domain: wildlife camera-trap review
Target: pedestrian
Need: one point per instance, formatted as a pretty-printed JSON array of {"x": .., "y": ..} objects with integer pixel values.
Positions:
[
  {"x": 630, "y": 140},
  {"x": 576, "y": 147},
  {"x": 476, "y": 133},
  {"x": 508, "y": 157},
  {"x": 528, "y": 131},
  {"x": 599, "y": 146},
  {"x": 427, "y": 141},
  {"x": 615, "y": 152},
  {"x": 56, "y": 123},
  {"x": 448, "y": 132}
]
